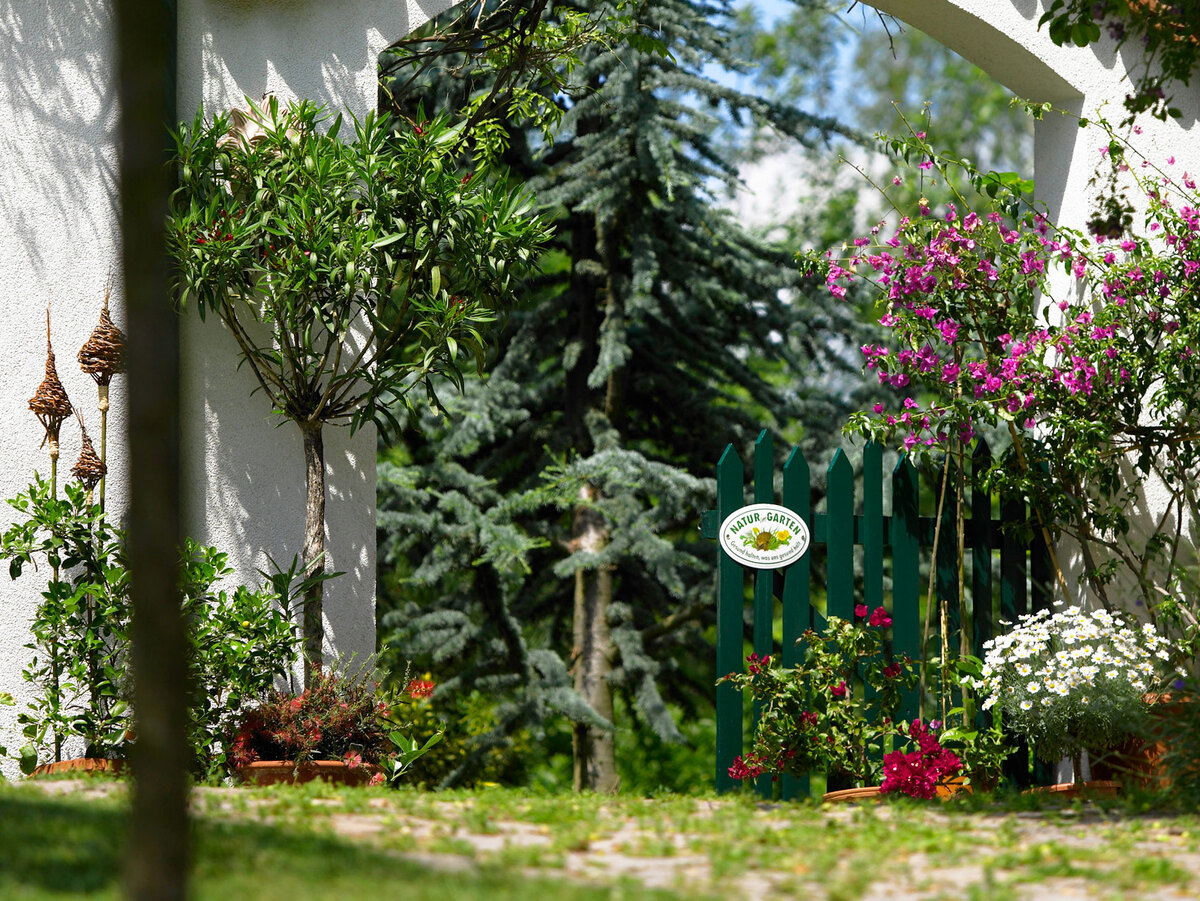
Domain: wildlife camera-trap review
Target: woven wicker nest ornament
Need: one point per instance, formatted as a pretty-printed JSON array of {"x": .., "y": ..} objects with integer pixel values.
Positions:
[
  {"x": 103, "y": 354},
  {"x": 88, "y": 468},
  {"x": 50, "y": 403}
]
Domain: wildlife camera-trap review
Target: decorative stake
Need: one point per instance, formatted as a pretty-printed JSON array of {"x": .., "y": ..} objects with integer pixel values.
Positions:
[
  {"x": 51, "y": 406},
  {"x": 103, "y": 356}
]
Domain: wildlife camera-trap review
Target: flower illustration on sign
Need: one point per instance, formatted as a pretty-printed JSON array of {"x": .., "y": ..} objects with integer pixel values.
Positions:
[{"x": 766, "y": 540}]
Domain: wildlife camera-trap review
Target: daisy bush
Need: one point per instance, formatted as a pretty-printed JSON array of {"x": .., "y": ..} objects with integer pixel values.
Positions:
[{"x": 1072, "y": 679}]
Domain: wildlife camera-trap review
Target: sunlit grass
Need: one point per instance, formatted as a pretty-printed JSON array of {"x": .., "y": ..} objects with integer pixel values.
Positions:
[{"x": 497, "y": 843}]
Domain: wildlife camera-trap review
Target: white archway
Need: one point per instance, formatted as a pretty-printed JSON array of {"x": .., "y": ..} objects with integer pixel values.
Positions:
[{"x": 1002, "y": 38}]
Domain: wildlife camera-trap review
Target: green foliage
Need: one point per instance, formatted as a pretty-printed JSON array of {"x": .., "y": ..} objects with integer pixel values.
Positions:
[
  {"x": 80, "y": 630},
  {"x": 373, "y": 265},
  {"x": 508, "y": 61},
  {"x": 241, "y": 644},
  {"x": 813, "y": 716},
  {"x": 1163, "y": 32},
  {"x": 977, "y": 738}
]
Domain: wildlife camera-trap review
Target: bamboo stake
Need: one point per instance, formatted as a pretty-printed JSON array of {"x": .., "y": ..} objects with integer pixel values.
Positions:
[{"x": 51, "y": 406}]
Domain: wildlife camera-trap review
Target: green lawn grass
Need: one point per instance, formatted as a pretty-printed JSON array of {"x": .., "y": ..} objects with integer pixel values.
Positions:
[
  {"x": 281, "y": 843},
  {"x": 59, "y": 848}
]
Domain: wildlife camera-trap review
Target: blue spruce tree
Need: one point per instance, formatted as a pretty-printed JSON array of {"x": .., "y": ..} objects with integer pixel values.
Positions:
[{"x": 546, "y": 528}]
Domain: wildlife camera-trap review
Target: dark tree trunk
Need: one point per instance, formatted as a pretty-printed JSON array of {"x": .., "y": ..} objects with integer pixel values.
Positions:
[
  {"x": 593, "y": 747},
  {"x": 157, "y": 856},
  {"x": 314, "y": 546}
]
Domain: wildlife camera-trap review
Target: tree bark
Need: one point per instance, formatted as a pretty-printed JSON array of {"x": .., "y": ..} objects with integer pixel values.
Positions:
[
  {"x": 314, "y": 547},
  {"x": 593, "y": 748},
  {"x": 156, "y": 855}
]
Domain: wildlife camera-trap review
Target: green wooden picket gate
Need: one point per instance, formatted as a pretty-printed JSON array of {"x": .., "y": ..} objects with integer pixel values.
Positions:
[{"x": 1024, "y": 569}]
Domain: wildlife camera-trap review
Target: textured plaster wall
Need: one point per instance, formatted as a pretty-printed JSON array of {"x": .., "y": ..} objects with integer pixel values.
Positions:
[
  {"x": 250, "y": 462},
  {"x": 1002, "y": 38},
  {"x": 59, "y": 242}
]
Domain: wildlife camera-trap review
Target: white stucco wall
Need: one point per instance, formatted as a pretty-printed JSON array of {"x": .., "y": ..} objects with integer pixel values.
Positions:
[{"x": 59, "y": 243}]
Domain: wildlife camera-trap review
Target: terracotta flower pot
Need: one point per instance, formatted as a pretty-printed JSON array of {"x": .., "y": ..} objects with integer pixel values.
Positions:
[
  {"x": 948, "y": 788},
  {"x": 870, "y": 793},
  {"x": 80, "y": 765},
  {"x": 1094, "y": 788},
  {"x": 1139, "y": 761},
  {"x": 271, "y": 772}
]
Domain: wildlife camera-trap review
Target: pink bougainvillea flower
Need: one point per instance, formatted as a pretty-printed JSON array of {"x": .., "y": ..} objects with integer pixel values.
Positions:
[
  {"x": 840, "y": 690},
  {"x": 860, "y": 610}
]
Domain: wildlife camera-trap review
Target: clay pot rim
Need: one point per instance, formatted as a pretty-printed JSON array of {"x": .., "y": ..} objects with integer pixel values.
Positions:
[
  {"x": 82, "y": 766},
  {"x": 1101, "y": 787}
]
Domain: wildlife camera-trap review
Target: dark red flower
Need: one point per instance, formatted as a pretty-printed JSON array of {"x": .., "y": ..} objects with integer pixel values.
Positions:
[
  {"x": 756, "y": 664},
  {"x": 880, "y": 618},
  {"x": 419, "y": 688}
]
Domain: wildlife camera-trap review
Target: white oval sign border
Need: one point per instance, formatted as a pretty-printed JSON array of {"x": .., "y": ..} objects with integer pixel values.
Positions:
[{"x": 746, "y": 555}]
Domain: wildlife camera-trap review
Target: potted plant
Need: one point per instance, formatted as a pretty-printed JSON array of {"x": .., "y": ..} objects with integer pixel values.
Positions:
[
  {"x": 1072, "y": 681},
  {"x": 340, "y": 729},
  {"x": 813, "y": 718}
]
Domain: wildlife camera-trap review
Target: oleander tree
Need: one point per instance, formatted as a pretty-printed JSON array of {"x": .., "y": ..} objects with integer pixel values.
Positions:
[{"x": 354, "y": 275}]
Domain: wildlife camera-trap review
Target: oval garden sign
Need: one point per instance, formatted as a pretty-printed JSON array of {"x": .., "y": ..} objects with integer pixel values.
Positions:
[{"x": 764, "y": 536}]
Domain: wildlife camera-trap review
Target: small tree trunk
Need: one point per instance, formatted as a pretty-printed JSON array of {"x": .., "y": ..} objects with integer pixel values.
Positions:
[
  {"x": 593, "y": 747},
  {"x": 314, "y": 546}
]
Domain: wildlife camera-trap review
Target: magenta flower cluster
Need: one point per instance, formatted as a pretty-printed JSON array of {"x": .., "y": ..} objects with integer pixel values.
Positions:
[
  {"x": 879, "y": 617},
  {"x": 918, "y": 773},
  {"x": 960, "y": 296}
]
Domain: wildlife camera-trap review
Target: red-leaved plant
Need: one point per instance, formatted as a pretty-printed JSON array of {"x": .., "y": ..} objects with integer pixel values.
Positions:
[{"x": 339, "y": 717}]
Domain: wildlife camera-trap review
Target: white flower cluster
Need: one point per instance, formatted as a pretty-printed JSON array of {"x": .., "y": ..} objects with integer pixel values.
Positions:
[{"x": 1059, "y": 671}]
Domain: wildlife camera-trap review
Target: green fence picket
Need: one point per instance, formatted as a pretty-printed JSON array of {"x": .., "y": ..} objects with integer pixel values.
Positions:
[
  {"x": 981, "y": 550},
  {"x": 1013, "y": 599},
  {"x": 946, "y": 579},
  {"x": 764, "y": 579},
  {"x": 839, "y": 541},
  {"x": 871, "y": 537},
  {"x": 797, "y": 579},
  {"x": 906, "y": 574},
  {"x": 730, "y": 617}
]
